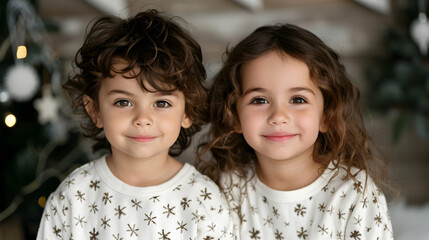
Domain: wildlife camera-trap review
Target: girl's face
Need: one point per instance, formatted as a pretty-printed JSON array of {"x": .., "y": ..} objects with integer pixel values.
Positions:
[
  {"x": 138, "y": 124},
  {"x": 281, "y": 108}
]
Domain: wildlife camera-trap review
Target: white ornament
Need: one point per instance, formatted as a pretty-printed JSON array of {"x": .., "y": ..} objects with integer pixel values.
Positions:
[
  {"x": 420, "y": 33},
  {"x": 419, "y": 29},
  {"x": 47, "y": 106},
  {"x": 21, "y": 82},
  {"x": 4, "y": 96}
]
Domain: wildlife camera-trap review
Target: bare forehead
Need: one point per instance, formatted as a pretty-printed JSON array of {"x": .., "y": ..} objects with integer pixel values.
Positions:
[
  {"x": 274, "y": 64},
  {"x": 272, "y": 59}
]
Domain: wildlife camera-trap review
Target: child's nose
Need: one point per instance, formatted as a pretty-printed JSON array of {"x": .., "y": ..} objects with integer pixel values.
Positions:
[
  {"x": 279, "y": 115},
  {"x": 143, "y": 117}
]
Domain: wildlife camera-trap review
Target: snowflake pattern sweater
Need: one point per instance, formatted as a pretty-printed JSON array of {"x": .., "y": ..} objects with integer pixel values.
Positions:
[
  {"x": 91, "y": 203},
  {"x": 336, "y": 209}
]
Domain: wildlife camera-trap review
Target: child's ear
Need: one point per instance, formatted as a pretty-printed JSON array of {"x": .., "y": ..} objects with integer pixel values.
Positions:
[
  {"x": 92, "y": 112},
  {"x": 323, "y": 128},
  {"x": 237, "y": 127},
  {"x": 186, "y": 122}
]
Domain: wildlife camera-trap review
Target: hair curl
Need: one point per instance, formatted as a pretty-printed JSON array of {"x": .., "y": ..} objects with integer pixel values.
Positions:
[
  {"x": 346, "y": 139},
  {"x": 164, "y": 53}
]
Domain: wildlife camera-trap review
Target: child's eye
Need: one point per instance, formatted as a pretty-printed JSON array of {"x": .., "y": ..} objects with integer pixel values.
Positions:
[
  {"x": 162, "y": 104},
  {"x": 259, "y": 101},
  {"x": 123, "y": 103},
  {"x": 298, "y": 100}
]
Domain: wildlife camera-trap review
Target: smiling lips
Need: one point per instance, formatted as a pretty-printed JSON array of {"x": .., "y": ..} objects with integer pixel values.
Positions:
[
  {"x": 279, "y": 137},
  {"x": 143, "y": 138}
]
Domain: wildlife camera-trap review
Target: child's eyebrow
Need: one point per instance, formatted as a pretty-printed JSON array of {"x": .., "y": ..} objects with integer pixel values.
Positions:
[
  {"x": 298, "y": 89},
  {"x": 157, "y": 94},
  {"x": 118, "y": 91},
  {"x": 295, "y": 89},
  {"x": 161, "y": 94},
  {"x": 250, "y": 90}
]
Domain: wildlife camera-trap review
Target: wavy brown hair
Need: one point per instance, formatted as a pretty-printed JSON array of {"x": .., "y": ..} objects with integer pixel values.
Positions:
[
  {"x": 346, "y": 139},
  {"x": 167, "y": 57}
]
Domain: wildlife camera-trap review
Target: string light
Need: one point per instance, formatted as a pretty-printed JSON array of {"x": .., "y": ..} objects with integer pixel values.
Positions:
[
  {"x": 42, "y": 201},
  {"x": 10, "y": 120},
  {"x": 21, "y": 52}
]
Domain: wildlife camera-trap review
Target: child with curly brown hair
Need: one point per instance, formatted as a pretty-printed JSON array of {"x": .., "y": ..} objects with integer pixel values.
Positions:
[
  {"x": 289, "y": 146},
  {"x": 140, "y": 96}
]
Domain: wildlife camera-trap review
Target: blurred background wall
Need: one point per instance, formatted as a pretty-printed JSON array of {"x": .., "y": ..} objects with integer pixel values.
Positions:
[{"x": 383, "y": 44}]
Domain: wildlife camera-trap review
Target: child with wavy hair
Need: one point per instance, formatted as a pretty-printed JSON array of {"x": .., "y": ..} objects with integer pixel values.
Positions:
[
  {"x": 140, "y": 96},
  {"x": 288, "y": 142}
]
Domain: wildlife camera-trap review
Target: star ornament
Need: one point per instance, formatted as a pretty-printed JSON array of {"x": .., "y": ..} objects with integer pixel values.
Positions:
[{"x": 47, "y": 106}]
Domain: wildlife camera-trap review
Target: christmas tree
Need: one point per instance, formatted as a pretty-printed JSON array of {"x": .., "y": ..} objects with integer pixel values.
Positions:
[
  {"x": 40, "y": 143},
  {"x": 399, "y": 82}
]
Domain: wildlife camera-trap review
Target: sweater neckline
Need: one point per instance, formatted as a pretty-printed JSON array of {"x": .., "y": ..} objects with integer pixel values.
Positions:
[
  {"x": 295, "y": 195},
  {"x": 115, "y": 183}
]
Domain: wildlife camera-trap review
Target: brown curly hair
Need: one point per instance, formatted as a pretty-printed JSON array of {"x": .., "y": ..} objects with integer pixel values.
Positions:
[
  {"x": 346, "y": 138},
  {"x": 164, "y": 53}
]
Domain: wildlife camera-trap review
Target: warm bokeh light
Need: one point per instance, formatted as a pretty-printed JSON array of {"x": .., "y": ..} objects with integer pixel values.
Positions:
[
  {"x": 21, "y": 52},
  {"x": 42, "y": 201},
  {"x": 10, "y": 120}
]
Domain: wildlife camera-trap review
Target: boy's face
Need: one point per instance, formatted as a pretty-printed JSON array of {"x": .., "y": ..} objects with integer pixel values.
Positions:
[
  {"x": 281, "y": 108},
  {"x": 138, "y": 124}
]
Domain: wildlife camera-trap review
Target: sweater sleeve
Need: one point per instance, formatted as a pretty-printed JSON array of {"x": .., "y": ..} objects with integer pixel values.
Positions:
[
  {"x": 54, "y": 222},
  {"x": 370, "y": 217}
]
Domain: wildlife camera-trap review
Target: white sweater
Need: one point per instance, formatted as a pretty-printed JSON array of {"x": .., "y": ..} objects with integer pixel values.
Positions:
[
  {"x": 91, "y": 203},
  {"x": 336, "y": 209}
]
